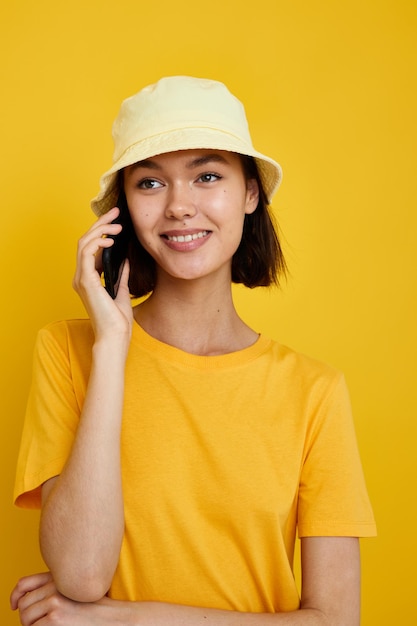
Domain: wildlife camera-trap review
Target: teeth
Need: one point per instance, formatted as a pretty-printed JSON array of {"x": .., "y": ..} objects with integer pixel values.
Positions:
[{"x": 182, "y": 238}]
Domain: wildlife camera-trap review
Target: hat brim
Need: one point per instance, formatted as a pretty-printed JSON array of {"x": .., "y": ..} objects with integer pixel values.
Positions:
[{"x": 270, "y": 171}]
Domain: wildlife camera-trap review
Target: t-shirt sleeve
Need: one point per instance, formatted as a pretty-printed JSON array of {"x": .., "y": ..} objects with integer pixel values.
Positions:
[
  {"x": 51, "y": 419},
  {"x": 333, "y": 499}
]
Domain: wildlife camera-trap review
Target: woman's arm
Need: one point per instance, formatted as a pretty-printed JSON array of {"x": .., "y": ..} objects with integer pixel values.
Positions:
[
  {"x": 330, "y": 594},
  {"x": 331, "y": 579},
  {"x": 82, "y": 519},
  {"x": 330, "y": 597}
]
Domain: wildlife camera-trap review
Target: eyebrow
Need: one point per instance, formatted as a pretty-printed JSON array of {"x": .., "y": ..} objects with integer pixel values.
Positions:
[
  {"x": 197, "y": 162},
  {"x": 206, "y": 158},
  {"x": 146, "y": 163}
]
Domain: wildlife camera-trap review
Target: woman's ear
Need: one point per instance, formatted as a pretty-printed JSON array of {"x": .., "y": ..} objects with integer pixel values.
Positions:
[{"x": 252, "y": 195}]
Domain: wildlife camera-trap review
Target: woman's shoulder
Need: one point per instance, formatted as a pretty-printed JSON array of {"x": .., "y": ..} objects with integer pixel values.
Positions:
[
  {"x": 67, "y": 333},
  {"x": 301, "y": 366}
]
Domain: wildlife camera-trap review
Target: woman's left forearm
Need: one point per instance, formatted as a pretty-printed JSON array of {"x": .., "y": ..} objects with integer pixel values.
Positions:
[{"x": 120, "y": 613}]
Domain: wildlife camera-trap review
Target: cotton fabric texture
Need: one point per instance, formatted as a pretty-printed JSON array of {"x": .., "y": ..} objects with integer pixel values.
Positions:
[
  {"x": 223, "y": 458},
  {"x": 180, "y": 113}
]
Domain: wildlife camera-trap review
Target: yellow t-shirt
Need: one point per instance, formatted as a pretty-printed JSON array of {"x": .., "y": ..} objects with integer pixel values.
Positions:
[{"x": 223, "y": 458}]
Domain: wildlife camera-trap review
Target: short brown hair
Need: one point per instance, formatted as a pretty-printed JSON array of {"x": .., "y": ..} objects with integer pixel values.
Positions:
[{"x": 258, "y": 261}]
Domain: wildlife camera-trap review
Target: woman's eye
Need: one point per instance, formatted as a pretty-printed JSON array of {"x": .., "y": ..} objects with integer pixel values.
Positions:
[
  {"x": 208, "y": 178},
  {"x": 148, "y": 183}
]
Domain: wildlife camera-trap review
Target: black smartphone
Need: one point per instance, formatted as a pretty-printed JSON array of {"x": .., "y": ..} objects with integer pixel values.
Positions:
[{"x": 113, "y": 259}]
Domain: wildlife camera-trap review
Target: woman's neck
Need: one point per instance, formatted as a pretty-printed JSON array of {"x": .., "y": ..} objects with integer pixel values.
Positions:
[{"x": 195, "y": 319}]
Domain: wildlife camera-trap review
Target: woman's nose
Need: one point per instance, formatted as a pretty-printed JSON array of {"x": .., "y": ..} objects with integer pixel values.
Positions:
[{"x": 180, "y": 202}]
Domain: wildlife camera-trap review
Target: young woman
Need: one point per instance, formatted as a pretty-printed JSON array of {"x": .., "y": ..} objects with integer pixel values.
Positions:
[{"x": 174, "y": 451}]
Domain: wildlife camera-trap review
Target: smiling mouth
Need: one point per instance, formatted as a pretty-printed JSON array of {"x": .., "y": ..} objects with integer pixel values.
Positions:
[{"x": 186, "y": 238}]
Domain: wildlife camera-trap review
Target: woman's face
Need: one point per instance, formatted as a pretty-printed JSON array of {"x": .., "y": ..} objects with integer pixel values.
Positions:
[{"x": 188, "y": 209}]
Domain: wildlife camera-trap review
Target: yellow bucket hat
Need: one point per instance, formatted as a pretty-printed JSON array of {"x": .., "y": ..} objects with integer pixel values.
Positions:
[{"x": 180, "y": 113}]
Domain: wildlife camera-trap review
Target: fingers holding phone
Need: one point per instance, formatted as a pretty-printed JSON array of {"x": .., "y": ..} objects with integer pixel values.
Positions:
[
  {"x": 101, "y": 237},
  {"x": 90, "y": 247}
]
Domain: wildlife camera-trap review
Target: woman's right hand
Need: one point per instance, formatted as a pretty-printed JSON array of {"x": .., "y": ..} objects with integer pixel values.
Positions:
[
  {"x": 39, "y": 602},
  {"x": 111, "y": 319}
]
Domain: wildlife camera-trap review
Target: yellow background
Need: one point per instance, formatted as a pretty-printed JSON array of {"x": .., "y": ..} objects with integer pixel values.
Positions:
[{"x": 330, "y": 91}]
